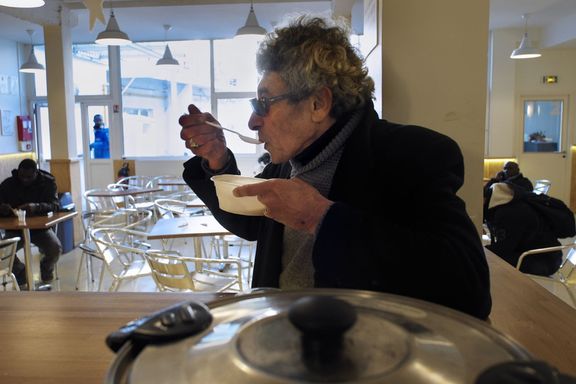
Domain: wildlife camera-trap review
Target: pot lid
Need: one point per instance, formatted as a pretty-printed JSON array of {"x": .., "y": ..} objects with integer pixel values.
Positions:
[{"x": 327, "y": 335}]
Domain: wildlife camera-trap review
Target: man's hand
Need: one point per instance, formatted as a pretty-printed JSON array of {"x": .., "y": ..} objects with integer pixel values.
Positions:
[
  {"x": 202, "y": 139},
  {"x": 293, "y": 202},
  {"x": 30, "y": 208},
  {"x": 6, "y": 210},
  {"x": 501, "y": 176}
]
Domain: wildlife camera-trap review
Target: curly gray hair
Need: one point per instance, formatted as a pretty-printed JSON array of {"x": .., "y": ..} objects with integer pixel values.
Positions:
[{"x": 311, "y": 53}]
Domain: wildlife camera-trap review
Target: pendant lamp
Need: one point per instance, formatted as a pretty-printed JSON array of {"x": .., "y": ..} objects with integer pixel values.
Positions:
[
  {"x": 167, "y": 59},
  {"x": 22, "y": 3},
  {"x": 525, "y": 50},
  {"x": 251, "y": 27},
  {"x": 112, "y": 35},
  {"x": 31, "y": 65}
]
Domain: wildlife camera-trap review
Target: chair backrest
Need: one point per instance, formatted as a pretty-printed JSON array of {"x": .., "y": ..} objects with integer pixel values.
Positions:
[
  {"x": 542, "y": 186},
  {"x": 7, "y": 255},
  {"x": 568, "y": 257},
  {"x": 170, "y": 208},
  {"x": 169, "y": 271},
  {"x": 135, "y": 181},
  {"x": 567, "y": 271},
  {"x": 100, "y": 203},
  {"x": 119, "y": 248}
]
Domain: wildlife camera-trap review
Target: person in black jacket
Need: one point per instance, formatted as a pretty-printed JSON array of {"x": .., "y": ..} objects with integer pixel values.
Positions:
[
  {"x": 515, "y": 227},
  {"x": 34, "y": 191},
  {"x": 344, "y": 208},
  {"x": 510, "y": 173}
]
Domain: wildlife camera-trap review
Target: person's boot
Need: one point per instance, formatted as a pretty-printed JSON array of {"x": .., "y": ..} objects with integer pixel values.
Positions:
[{"x": 46, "y": 273}]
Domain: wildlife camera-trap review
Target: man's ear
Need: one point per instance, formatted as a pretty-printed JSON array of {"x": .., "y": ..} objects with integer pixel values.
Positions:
[{"x": 321, "y": 104}]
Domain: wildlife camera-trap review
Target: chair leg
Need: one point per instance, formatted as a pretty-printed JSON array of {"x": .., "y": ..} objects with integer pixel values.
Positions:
[{"x": 82, "y": 257}]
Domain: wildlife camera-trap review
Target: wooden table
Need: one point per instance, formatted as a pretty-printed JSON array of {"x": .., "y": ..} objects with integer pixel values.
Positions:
[
  {"x": 33, "y": 222},
  {"x": 544, "y": 324},
  {"x": 58, "y": 337}
]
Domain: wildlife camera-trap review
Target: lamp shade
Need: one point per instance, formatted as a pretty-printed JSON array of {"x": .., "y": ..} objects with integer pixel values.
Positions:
[
  {"x": 167, "y": 59},
  {"x": 525, "y": 50},
  {"x": 22, "y": 3},
  {"x": 31, "y": 65},
  {"x": 251, "y": 27},
  {"x": 112, "y": 35}
]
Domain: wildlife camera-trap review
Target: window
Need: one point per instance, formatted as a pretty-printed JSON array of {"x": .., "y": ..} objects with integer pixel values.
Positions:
[
  {"x": 155, "y": 96},
  {"x": 543, "y": 125},
  {"x": 90, "y": 68}
]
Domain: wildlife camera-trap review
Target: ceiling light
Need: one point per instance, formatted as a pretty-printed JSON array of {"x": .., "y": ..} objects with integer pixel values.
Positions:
[
  {"x": 251, "y": 27},
  {"x": 112, "y": 35},
  {"x": 31, "y": 65},
  {"x": 22, "y": 3},
  {"x": 167, "y": 59},
  {"x": 525, "y": 50}
]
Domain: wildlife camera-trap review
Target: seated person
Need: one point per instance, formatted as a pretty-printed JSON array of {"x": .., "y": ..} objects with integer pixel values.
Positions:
[
  {"x": 510, "y": 174},
  {"x": 34, "y": 191},
  {"x": 515, "y": 227},
  {"x": 327, "y": 223}
]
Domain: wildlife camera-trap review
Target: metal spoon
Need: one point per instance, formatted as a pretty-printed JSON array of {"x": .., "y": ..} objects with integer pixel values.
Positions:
[{"x": 247, "y": 139}]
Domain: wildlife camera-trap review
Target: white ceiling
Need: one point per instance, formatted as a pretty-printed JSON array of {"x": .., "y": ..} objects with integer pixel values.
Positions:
[{"x": 143, "y": 20}]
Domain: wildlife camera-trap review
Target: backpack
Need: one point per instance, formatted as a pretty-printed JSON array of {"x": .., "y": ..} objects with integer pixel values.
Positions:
[{"x": 559, "y": 218}]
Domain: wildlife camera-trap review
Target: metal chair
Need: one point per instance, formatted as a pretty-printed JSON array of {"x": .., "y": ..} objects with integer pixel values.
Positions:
[
  {"x": 221, "y": 246},
  {"x": 542, "y": 186},
  {"x": 170, "y": 208},
  {"x": 135, "y": 181},
  {"x": 565, "y": 277},
  {"x": 7, "y": 255},
  {"x": 173, "y": 272},
  {"x": 100, "y": 204},
  {"x": 125, "y": 218},
  {"x": 122, "y": 251}
]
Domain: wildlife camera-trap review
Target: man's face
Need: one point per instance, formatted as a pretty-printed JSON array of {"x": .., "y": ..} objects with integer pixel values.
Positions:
[
  {"x": 287, "y": 128},
  {"x": 511, "y": 169},
  {"x": 27, "y": 176}
]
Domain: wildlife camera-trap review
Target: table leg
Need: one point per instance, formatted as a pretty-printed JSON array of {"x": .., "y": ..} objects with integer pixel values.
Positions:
[
  {"x": 198, "y": 252},
  {"x": 28, "y": 258}
]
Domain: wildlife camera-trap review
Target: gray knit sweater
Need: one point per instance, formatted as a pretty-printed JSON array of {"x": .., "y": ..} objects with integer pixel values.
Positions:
[{"x": 297, "y": 267}]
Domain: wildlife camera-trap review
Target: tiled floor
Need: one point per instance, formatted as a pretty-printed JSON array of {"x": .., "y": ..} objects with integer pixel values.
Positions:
[{"x": 69, "y": 263}]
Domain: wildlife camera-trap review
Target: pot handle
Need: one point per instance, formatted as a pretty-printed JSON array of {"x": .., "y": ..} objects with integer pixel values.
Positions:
[
  {"x": 170, "y": 324},
  {"x": 524, "y": 372}
]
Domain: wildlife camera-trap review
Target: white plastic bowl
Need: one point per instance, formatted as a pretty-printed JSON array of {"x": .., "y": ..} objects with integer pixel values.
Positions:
[{"x": 247, "y": 205}]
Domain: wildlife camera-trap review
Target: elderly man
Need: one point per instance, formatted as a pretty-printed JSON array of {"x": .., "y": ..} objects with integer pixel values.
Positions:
[
  {"x": 328, "y": 222},
  {"x": 34, "y": 191}
]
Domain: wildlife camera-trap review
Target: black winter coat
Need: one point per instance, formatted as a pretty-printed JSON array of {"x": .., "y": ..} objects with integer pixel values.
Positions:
[
  {"x": 42, "y": 191},
  {"x": 396, "y": 226}
]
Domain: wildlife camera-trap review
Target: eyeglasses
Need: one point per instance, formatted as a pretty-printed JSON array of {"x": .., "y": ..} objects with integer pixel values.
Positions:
[{"x": 262, "y": 105}]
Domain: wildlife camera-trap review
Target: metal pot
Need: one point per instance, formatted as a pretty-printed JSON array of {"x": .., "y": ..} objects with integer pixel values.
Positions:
[{"x": 311, "y": 336}]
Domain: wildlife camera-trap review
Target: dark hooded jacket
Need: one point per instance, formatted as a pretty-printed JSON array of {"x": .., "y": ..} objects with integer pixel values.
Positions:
[
  {"x": 515, "y": 227},
  {"x": 42, "y": 191}
]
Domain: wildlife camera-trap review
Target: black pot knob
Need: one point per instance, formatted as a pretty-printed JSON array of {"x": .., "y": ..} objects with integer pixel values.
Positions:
[{"x": 323, "y": 320}]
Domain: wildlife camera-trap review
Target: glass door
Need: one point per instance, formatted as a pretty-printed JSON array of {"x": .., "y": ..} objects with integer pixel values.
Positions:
[
  {"x": 92, "y": 119},
  {"x": 544, "y": 142}
]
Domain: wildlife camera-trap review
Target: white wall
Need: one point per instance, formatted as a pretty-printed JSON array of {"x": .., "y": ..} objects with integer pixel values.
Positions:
[
  {"x": 500, "y": 133},
  {"x": 10, "y": 101},
  {"x": 434, "y": 69}
]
